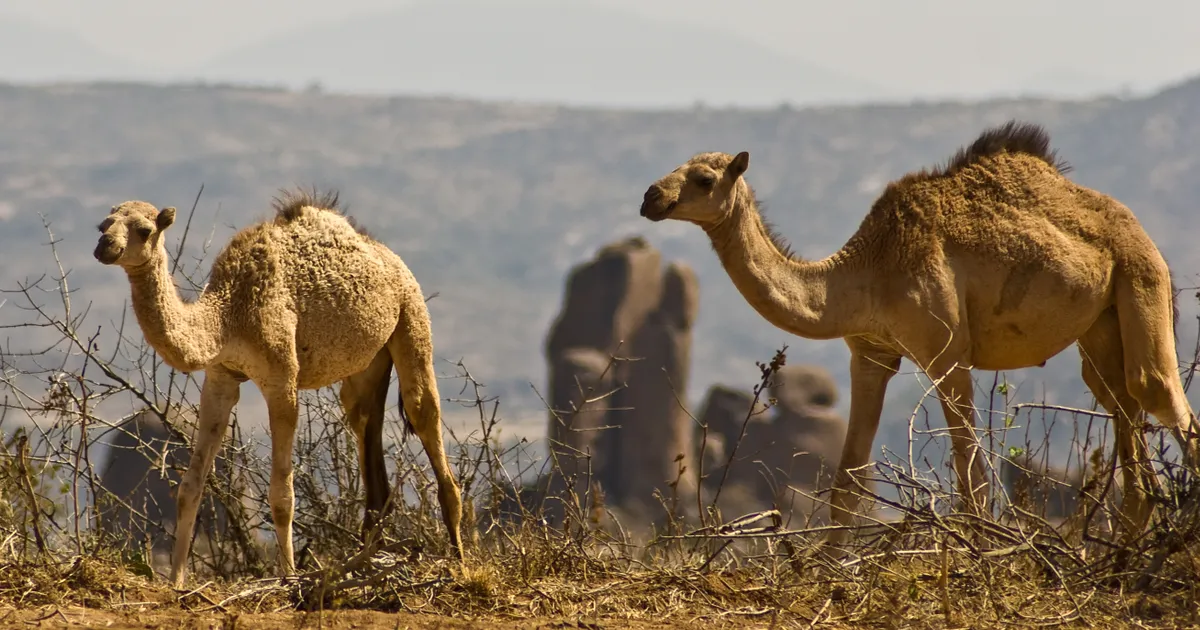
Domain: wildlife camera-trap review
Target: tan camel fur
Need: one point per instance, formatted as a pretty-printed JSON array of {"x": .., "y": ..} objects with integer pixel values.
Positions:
[
  {"x": 995, "y": 261},
  {"x": 300, "y": 302}
]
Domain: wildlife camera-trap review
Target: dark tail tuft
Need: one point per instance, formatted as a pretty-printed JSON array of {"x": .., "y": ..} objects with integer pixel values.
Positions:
[
  {"x": 1174, "y": 309},
  {"x": 407, "y": 429}
]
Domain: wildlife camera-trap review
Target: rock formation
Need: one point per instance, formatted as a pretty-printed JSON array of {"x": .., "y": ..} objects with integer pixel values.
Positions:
[
  {"x": 1046, "y": 491},
  {"x": 137, "y": 501},
  {"x": 618, "y": 356},
  {"x": 656, "y": 435},
  {"x": 625, "y": 328},
  {"x": 795, "y": 444}
]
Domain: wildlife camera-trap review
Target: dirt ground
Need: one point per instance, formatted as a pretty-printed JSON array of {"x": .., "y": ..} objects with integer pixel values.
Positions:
[{"x": 76, "y": 617}]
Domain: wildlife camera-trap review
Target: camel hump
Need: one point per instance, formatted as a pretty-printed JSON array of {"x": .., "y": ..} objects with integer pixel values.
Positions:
[
  {"x": 1011, "y": 137},
  {"x": 289, "y": 204}
]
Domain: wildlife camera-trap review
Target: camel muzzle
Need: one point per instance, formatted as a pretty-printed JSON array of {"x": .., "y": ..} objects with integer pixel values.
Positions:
[
  {"x": 107, "y": 252},
  {"x": 652, "y": 207}
]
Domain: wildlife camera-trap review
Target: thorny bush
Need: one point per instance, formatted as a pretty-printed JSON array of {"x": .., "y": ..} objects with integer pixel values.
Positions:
[{"x": 72, "y": 384}]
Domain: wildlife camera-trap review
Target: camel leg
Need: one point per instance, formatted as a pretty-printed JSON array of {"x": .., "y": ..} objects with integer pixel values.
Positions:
[
  {"x": 870, "y": 371},
  {"x": 1144, "y": 311},
  {"x": 218, "y": 395},
  {"x": 956, "y": 390},
  {"x": 282, "y": 407},
  {"x": 412, "y": 351},
  {"x": 1102, "y": 354},
  {"x": 364, "y": 398}
]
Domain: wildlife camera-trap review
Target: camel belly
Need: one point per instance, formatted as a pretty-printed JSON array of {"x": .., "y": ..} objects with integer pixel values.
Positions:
[
  {"x": 1014, "y": 351},
  {"x": 323, "y": 364},
  {"x": 333, "y": 343},
  {"x": 1024, "y": 317},
  {"x": 1012, "y": 343}
]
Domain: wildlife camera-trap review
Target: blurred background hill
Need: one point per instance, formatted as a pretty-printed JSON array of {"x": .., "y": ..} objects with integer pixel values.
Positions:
[{"x": 494, "y": 145}]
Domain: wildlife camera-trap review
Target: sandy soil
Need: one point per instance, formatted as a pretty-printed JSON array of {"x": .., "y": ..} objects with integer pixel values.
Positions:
[{"x": 76, "y": 617}]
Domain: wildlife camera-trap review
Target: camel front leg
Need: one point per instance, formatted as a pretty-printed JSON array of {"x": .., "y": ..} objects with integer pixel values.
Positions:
[
  {"x": 956, "y": 390},
  {"x": 218, "y": 395},
  {"x": 284, "y": 413},
  {"x": 870, "y": 372}
]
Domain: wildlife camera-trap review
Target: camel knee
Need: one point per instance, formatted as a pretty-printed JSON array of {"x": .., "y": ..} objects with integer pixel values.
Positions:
[
  {"x": 282, "y": 498},
  {"x": 451, "y": 500},
  {"x": 843, "y": 499},
  {"x": 1160, "y": 395}
]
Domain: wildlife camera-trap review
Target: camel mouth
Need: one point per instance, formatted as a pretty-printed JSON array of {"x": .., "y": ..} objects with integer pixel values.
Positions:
[
  {"x": 659, "y": 213},
  {"x": 107, "y": 254}
]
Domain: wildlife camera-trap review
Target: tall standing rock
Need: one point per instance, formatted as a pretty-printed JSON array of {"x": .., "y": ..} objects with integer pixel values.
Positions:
[
  {"x": 579, "y": 378},
  {"x": 656, "y": 434},
  {"x": 608, "y": 298},
  {"x": 623, "y": 310},
  {"x": 606, "y": 301}
]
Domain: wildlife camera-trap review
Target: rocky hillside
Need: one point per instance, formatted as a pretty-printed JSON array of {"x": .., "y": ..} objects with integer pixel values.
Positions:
[{"x": 491, "y": 204}]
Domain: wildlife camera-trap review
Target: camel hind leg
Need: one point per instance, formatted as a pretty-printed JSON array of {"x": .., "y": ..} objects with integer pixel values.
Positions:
[
  {"x": 1104, "y": 372},
  {"x": 956, "y": 392},
  {"x": 411, "y": 347},
  {"x": 1145, "y": 308},
  {"x": 364, "y": 397}
]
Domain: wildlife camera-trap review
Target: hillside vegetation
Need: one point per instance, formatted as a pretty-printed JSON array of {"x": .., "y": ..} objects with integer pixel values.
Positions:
[{"x": 490, "y": 204}]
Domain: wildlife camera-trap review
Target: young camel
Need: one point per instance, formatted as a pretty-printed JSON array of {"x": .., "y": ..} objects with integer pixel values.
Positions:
[
  {"x": 300, "y": 302},
  {"x": 995, "y": 261}
]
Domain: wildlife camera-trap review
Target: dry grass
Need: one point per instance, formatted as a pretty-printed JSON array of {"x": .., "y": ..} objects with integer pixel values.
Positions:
[{"x": 928, "y": 566}]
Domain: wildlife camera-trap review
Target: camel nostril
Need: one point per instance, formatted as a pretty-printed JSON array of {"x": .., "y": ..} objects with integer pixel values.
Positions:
[{"x": 654, "y": 193}]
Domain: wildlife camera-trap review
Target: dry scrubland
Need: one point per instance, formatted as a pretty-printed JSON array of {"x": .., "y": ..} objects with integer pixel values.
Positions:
[
  {"x": 926, "y": 566},
  {"x": 75, "y": 366}
]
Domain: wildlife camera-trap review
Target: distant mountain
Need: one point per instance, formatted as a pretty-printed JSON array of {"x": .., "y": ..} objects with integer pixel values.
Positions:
[
  {"x": 563, "y": 51},
  {"x": 31, "y": 52},
  {"x": 1069, "y": 84},
  {"x": 491, "y": 204}
]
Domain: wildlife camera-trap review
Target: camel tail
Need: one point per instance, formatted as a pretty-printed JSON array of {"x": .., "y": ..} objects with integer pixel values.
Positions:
[
  {"x": 1174, "y": 309},
  {"x": 407, "y": 429}
]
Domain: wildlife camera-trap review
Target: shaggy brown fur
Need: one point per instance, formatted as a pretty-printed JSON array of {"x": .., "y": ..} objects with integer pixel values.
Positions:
[
  {"x": 995, "y": 261},
  {"x": 289, "y": 204},
  {"x": 300, "y": 302},
  {"x": 1011, "y": 137}
]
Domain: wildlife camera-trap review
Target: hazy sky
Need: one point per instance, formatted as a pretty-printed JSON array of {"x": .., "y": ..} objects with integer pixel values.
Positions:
[{"x": 923, "y": 46}]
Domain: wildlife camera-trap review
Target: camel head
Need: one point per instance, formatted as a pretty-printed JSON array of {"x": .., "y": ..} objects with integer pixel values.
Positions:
[
  {"x": 702, "y": 190},
  {"x": 130, "y": 235}
]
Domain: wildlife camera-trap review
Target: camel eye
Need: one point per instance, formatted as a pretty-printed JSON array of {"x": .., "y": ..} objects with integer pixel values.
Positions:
[
  {"x": 144, "y": 232},
  {"x": 706, "y": 179}
]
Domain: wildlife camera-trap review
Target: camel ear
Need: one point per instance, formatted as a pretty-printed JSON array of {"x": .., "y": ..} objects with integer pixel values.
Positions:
[
  {"x": 740, "y": 163},
  {"x": 166, "y": 217}
]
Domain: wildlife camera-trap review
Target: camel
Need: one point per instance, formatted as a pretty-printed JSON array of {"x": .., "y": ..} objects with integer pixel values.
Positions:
[
  {"x": 300, "y": 302},
  {"x": 995, "y": 261}
]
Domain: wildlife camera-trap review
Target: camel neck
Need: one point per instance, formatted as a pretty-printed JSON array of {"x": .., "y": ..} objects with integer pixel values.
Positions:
[
  {"x": 792, "y": 294},
  {"x": 187, "y": 336}
]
